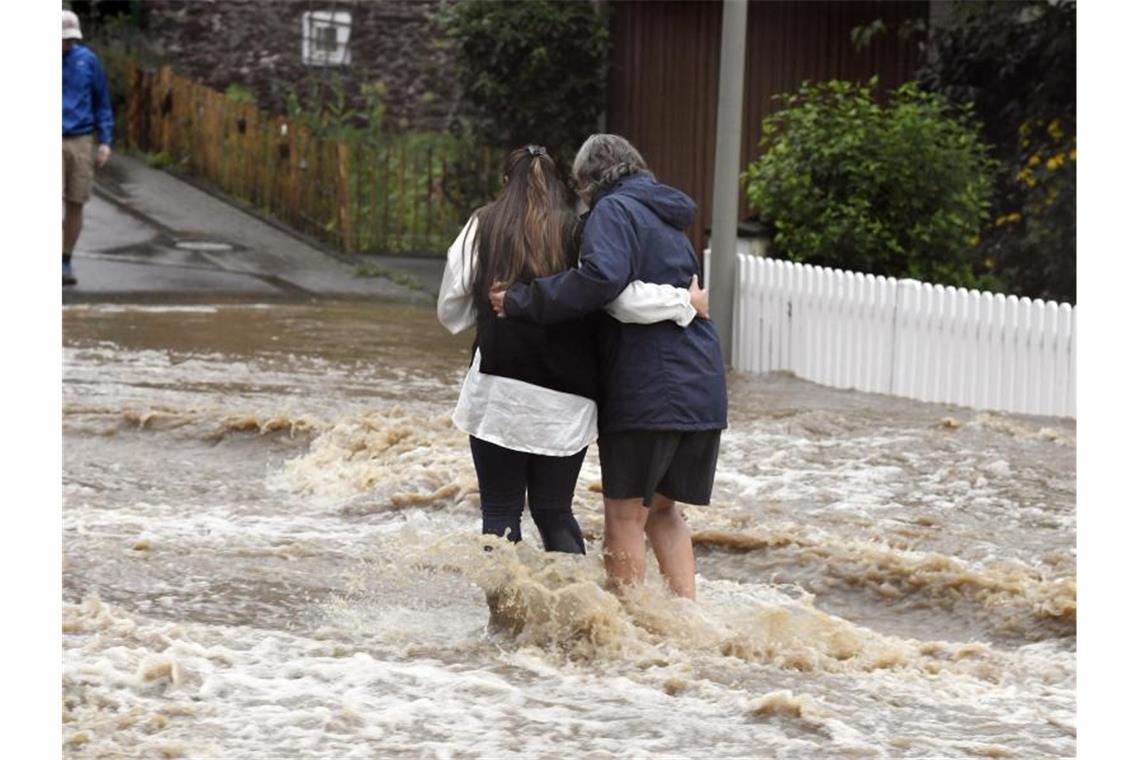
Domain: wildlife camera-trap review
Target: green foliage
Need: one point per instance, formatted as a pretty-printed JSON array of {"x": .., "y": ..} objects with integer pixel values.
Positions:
[
  {"x": 899, "y": 189},
  {"x": 367, "y": 271},
  {"x": 1016, "y": 63},
  {"x": 240, "y": 94},
  {"x": 406, "y": 193},
  {"x": 532, "y": 71},
  {"x": 325, "y": 109},
  {"x": 116, "y": 41},
  {"x": 159, "y": 160},
  {"x": 403, "y": 188}
]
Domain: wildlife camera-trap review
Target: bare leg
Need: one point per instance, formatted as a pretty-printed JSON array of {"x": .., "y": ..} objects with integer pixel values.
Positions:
[
  {"x": 673, "y": 545},
  {"x": 624, "y": 548},
  {"x": 72, "y": 224}
]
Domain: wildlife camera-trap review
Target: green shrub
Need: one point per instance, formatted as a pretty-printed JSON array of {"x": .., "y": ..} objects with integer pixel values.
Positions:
[
  {"x": 239, "y": 93},
  {"x": 899, "y": 189},
  {"x": 531, "y": 71},
  {"x": 1017, "y": 64}
]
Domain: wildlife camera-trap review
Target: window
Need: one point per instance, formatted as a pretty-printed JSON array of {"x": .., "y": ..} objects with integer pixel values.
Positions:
[{"x": 324, "y": 38}]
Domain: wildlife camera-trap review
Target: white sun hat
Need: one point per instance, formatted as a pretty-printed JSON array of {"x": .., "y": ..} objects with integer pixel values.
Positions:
[{"x": 71, "y": 29}]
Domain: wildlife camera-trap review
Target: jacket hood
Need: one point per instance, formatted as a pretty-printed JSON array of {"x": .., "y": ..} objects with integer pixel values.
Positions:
[{"x": 674, "y": 207}]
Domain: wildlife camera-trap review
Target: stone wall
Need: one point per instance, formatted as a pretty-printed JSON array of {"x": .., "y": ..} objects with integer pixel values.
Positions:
[{"x": 396, "y": 49}]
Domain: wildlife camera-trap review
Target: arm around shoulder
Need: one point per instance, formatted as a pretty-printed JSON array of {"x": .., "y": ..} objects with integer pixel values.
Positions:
[
  {"x": 605, "y": 268},
  {"x": 645, "y": 303}
]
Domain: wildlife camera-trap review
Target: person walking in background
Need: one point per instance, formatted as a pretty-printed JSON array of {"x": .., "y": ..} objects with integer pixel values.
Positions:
[
  {"x": 664, "y": 397},
  {"x": 528, "y": 400},
  {"x": 87, "y": 123}
]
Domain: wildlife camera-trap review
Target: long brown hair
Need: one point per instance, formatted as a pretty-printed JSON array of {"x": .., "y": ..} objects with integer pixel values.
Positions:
[{"x": 528, "y": 231}]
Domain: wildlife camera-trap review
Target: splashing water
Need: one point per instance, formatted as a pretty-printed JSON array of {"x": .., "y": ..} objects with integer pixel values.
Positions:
[{"x": 271, "y": 549}]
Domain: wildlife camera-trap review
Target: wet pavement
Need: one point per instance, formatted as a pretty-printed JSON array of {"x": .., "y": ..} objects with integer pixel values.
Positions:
[{"x": 149, "y": 236}]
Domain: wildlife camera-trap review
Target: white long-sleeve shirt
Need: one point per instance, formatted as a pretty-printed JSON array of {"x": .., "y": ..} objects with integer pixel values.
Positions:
[{"x": 523, "y": 416}]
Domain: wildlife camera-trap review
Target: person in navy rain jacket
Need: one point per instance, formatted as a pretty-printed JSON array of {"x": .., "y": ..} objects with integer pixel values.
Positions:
[
  {"x": 87, "y": 122},
  {"x": 663, "y": 394}
]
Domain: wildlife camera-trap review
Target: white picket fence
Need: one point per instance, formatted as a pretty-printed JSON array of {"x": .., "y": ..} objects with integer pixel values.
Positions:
[{"x": 904, "y": 337}]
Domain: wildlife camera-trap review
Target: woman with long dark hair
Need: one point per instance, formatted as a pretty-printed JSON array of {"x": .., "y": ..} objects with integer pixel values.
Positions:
[{"x": 528, "y": 401}]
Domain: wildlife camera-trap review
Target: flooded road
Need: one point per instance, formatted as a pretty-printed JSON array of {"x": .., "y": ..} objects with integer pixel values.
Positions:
[{"x": 271, "y": 550}]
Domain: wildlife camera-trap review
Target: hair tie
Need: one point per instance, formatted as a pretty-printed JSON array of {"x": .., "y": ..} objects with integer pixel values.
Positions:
[{"x": 536, "y": 150}]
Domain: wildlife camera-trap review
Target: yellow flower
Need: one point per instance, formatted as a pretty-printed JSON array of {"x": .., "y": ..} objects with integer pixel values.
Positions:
[
  {"x": 974, "y": 241},
  {"x": 1033, "y": 161},
  {"x": 1055, "y": 163},
  {"x": 1073, "y": 154},
  {"x": 988, "y": 262},
  {"x": 1055, "y": 130}
]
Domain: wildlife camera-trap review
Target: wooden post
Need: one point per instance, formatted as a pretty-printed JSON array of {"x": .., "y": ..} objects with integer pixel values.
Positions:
[
  {"x": 226, "y": 141},
  {"x": 307, "y": 171},
  {"x": 400, "y": 194},
  {"x": 192, "y": 128},
  {"x": 344, "y": 200},
  {"x": 132, "y": 103},
  {"x": 387, "y": 192},
  {"x": 428, "y": 226},
  {"x": 415, "y": 199},
  {"x": 294, "y": 178},
  {"x": 166, "y": 116},
  {"x": 247, "y": 143},
  {"x": 217, "y": 119}
]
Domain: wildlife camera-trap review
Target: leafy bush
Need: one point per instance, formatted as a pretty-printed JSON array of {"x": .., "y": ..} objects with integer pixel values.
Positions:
[
  {"x": 1016, "y": 63},
  {"x": 240, "y": 94},
  {"x": 898, "y": 189},
  {"x": 115, "y": 40},
  {"x": 532, "y": 71}
]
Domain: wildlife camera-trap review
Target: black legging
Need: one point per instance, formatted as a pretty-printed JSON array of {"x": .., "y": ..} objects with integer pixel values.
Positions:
[{"x": 507, "y": 478}]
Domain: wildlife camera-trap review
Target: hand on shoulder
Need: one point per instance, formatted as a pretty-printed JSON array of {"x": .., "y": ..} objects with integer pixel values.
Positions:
[{"x": 498, "y": 297}]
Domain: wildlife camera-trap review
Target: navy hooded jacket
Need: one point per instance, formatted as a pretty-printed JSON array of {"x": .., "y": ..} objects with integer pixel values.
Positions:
[{"x": 653, "y": 377}]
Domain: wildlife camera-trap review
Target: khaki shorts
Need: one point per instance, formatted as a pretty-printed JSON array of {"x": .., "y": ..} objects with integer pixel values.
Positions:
[{"x": 78, "y": 168}]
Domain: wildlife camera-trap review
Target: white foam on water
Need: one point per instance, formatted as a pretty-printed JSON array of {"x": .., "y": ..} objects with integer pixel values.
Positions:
[{"x": 285, "y": 542}]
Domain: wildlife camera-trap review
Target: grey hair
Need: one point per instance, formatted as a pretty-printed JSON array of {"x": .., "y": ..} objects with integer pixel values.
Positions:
[{"x": 604, "y": 159}]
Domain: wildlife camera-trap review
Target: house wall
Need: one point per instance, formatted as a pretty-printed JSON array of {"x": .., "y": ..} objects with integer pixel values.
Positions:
[
  {"x": 394, "y": 43},
  {"x": 662, "y": 91}
]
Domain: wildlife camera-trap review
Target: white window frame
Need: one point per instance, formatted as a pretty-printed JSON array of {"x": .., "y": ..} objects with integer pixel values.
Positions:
[{"x": 314, "y": 25}]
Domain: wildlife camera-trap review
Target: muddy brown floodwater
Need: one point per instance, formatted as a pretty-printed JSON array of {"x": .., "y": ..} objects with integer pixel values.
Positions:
[{"x": 271, "y": 550}]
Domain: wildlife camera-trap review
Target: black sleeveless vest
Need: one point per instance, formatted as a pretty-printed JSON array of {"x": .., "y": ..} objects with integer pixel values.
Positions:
[{"x": 562, "y": 357}]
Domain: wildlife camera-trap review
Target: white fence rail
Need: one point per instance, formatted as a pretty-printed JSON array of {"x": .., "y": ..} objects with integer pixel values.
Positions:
[{"x": 905, "y": 338}]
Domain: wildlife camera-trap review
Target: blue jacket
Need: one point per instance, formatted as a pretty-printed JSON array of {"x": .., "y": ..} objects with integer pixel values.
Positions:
[
  {"x": 653, "y": 377},
  {"x": 86, "y": 102}
]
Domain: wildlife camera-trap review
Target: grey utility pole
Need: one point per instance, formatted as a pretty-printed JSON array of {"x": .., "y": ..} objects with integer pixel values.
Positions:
[{"x": 726, "y": 180}]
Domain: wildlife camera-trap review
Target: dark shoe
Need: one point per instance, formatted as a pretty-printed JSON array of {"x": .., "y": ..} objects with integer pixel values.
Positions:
[{"x": 68, "y": 275}]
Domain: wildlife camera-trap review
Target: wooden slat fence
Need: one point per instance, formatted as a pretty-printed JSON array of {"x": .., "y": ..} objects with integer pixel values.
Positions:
[
  {"x": 355, "y": 189},
  {"x": 904, "y": 337}
]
